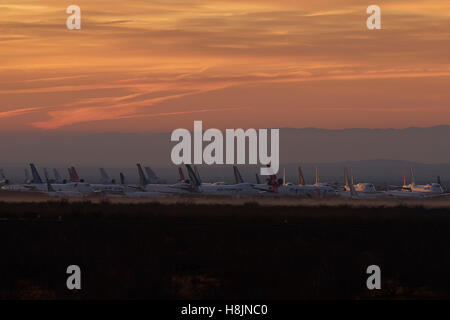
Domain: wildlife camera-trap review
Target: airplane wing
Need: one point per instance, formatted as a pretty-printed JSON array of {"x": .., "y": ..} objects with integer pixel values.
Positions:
[{"x": 30, "y": 187}]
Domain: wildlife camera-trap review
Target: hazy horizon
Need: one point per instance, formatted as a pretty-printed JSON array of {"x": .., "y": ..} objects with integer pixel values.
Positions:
[{"x": 384, "y": 153}]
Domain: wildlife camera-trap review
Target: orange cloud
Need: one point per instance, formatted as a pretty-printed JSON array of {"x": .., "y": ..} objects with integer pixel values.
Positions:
[
  {"x": 16, "y": 112},
  {"x": 137, "y": 59}
]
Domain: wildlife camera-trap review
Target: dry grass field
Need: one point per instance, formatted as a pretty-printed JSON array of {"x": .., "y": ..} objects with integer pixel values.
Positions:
[{"x": 205, "y": 250}]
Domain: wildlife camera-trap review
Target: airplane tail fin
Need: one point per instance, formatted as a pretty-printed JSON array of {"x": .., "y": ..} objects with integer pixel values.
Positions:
[
  {"x": 439, "y": 180},
  {"x": 152, "y": 177},
  {"x": 272, "y": 181},
  {"x": 237, "y": 175},
  {"x": 353, "y": 191},
  {"x": 46, "y": 174},
  {"x": 317, "y": 176},
  {"x": 192, "y": 176},
  {"x": 75, "y": 176},
  {"x": 57, "y": 176},
  {"x": 105, "y": 177},
  {"x": 241, "y": 180},
  {"x": 413, "y": 180},
  {"x": 70, "y": 174},
  {"x": 258, "y": 181},
  {"x": 36, "y": 176},
  {"x": 197, "y": 174},
  {"x": 301, "y": 179},
  {"x": 122, "y": 179},
  {"x": 346, "y": 177},
  {"x": 27, "y": 176},
  {"x": 47, "y": 180},
  {"x": 143, "y": 181},
  {"x": 352, "y": 178},
  {"x": 284, "y": 176},
  {"x": 405, "y": 181},
  {"x": 236, "y": 179},
  {"x": 3, "y": 179},
  {"x": 349, "y": 186},
  {"x": 181, "y": 175}
]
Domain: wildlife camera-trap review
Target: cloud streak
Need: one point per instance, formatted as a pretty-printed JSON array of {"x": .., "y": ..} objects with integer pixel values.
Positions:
[
  {"x": 135, "y": 59},
  {"x": 16, "y": 112}
]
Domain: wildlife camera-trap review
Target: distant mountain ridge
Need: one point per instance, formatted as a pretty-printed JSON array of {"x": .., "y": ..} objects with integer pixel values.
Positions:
[{"x": 427, "y": 149}]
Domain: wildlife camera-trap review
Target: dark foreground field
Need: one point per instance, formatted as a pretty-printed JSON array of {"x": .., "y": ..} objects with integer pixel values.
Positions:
[{"x": 201, "y": 251}]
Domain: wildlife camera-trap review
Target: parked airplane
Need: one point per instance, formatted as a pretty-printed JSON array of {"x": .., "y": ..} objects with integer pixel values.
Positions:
[
  {"x": 107, "y": 185},
  {"x": 58, "y": 178},
  {"x": 364, "y": 187},
  {"x": 60, "y": 193},
  {"x": 76, "y": 184},
  {"x": 363, "y": 190},
  {"x": 27, "y": 176},
  {"x": 320, "y": 189},
  {"x": 418, "y": 191},
  {"x": 3, "y": 180},
  {"x": 431, "y": 188},
  {"x": 35, "y": 185},
  {"x": 197, "y": 174},
  {"x": 153, "y": 178},
  {"x": 218, "y": 189},
  {"x": 284, "y": 188},
  {"x": 360, "y": 190},
  {"x": 144, "y": 185},
  {"x": 105, "y": 179}
]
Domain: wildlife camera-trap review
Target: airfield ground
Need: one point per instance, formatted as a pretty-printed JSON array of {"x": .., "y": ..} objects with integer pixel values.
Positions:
[{"x": 223, "y": 248}]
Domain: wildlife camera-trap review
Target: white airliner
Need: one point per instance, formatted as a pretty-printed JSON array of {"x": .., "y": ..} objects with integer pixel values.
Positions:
[
  {"x": 107, "y": 185},
  {"x": 360, "y": 190},
  {"x": 282, "y": 188},
  {"x": 320, "y": 189},
  {"x": 247, "y": 189},
  {"x": 76, "y": 184},
  {"x": 153, "y": 178},
  {"x": 317, "y": 190},
  {"x": 219, "y": 189},
  {"x": 60, "y": 193},
  {"x": 431, "y": 188},
  {"x": 58, "y": 178},
  {"x": 145, "y": 186},
  {"x": 3, "y": 180},
  {"x": 420, "y": 191},
  {"x": 37, "y": 185},
  {"x": 362, "y": 187}
]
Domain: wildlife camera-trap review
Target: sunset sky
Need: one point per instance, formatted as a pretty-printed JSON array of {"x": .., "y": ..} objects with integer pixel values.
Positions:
[{"x": 147, "y": 65}]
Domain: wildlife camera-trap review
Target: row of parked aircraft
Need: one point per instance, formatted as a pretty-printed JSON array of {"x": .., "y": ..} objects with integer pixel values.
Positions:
[{"x": 150, "y": 186}]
